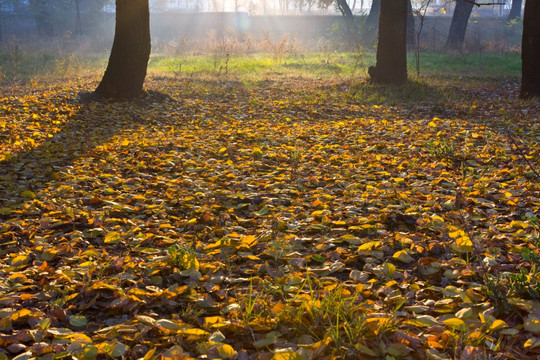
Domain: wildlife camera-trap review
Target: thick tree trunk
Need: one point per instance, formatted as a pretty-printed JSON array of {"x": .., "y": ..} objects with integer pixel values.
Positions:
[
  {"x": 392, "y": 44},
  {"x": 458, "y": 27},
  {"x": 124, "y": 77},
  {"x": 515, "y": 10},
  {"x": 530, "y": 50}
]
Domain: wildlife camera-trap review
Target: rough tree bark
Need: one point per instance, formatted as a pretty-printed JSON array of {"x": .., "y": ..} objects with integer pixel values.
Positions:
[
  {"x": 392, "y": 44},
  {"x": 372, "y": 22},
  {"x": 530, "y": 50},
  {"x": 126, "y": 71},
  {"x": 458, "y": 26},
  {"x": 515, "y": 10}
]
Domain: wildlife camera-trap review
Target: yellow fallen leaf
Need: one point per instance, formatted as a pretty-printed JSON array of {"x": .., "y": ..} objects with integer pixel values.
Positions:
[
  {"x": 497, "y": 325},
  {"x": 455, "y": 323},
  {"x": 403, "y": 256},
  {"x": 193, "y": 334},
  {"x": 212, "y": 320},
  {"x": 369, "y": 246},
  {"x": 516, "y": 224},
  {"x": 532, "y": 343},
  {"x": 112, "y": 238},
  {"x": 20, "y": 260},
  {"x": 27, "y": 194},
  {"x": 226, "y": 351},
  {"x": 287, "y": 355}
]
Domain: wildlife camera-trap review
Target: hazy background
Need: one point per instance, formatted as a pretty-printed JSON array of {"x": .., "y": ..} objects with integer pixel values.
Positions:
[{"x": 195, "y": 26}]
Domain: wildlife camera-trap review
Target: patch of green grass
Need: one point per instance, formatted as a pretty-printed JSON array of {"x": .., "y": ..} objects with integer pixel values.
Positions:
[
  {"x": 257, "y": 66},
  {"x": 328, "y": 64},
  {"x": 17, "y": 64},
  {"x": 476, "y": 66}
]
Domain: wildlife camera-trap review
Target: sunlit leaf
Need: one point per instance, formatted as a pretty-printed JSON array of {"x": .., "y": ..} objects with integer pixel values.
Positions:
[
  {"x": 226, "y": 351},
  {"x": 112, "y": 237},
  {"x": 403, "y": 256},
  {"x": 455, "y": 323}
]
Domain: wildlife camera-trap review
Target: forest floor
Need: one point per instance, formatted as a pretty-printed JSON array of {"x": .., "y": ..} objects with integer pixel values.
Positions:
[{"x": 287, "y": 218}]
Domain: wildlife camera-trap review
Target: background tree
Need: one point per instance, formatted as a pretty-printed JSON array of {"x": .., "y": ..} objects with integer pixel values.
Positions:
[
  {"x": 372, "y": 20},
  {"x": 515, "y": 10},
  {"x": 344, "y": 9},
  {"x": 91, "y": 16},
  {"x": 43, "y": 11},
  {"x": 1, "y": 18},
  {"x": 126, "y": 71},
  {"x": 78, "y": 26},
  {"x": 530, "y": 50},
  {"x": 458, "y": 26},
  {"x": 391, "y": 64},
  {"x": 411, "y": 28}
]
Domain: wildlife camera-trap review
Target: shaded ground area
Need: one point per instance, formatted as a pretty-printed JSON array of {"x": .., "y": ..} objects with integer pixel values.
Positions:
[{"x": 288, "y": 219}]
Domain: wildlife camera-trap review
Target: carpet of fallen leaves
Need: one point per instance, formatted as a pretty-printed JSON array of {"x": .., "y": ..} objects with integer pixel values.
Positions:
[{"x": 282, "y": 220}]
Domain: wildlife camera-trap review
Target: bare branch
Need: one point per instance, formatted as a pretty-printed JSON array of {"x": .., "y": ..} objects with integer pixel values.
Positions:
[{"x": 483, "y": 4}]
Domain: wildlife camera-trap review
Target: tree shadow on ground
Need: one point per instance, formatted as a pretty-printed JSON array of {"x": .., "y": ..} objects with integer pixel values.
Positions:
[
  {"x": 412, "y": 92},
  {"x": 95, "y": 122}
]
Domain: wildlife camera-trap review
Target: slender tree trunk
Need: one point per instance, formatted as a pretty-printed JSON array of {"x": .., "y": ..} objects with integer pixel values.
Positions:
[
  {"x": 124, "y": 77},
  {"x": 1, "y": 18},
  {"x": 515, "y": 10},
  {"x": 392, "y": 44},
  {"x": 530, "y": 50},
  {"x": 372, "y": 20},
  {"x": 350, "y": 28},
  {"x": 345, "y": 9},
  {"x": 78, "y": 25},
  {"x": 411, "y": 28},
  {"x": 458, "y": 27}
]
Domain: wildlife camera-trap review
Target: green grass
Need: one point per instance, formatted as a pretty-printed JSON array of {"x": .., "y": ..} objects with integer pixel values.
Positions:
[
  {"x": 332, "y": 64},
  {"x": 480, "y": 66},
  {"x": 19, "y": 65},
  {"x": 313, "y": 65}
]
